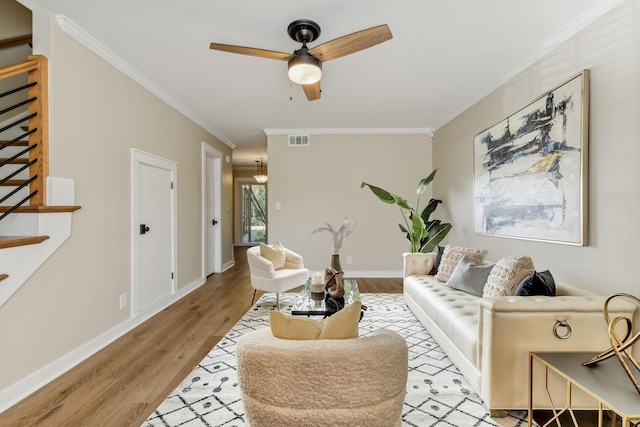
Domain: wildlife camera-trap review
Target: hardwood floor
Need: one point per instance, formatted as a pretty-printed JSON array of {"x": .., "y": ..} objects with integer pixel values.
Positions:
[{"x": 123, "y": 384}]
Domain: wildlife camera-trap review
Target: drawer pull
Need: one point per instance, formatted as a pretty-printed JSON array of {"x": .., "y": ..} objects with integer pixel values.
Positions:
[{"x": 562, "y": 323}]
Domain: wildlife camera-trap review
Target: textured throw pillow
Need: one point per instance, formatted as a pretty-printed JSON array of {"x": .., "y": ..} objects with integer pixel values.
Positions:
[
  {"x": 341, "y": 325},
  {"x": 506, "y": 275},
  {"x": 538, "y": 283},
  {"x": 274, "y": 253},
  {"x": 452, "y": 255},
  {"x": 469, "y": 277},
  {"x": 436, "y": 261}
]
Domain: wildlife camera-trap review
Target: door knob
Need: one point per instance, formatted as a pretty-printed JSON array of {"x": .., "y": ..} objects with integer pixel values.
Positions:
[
  {"x": 214, "y": 222},
  {"x": 144, "y": 229}
]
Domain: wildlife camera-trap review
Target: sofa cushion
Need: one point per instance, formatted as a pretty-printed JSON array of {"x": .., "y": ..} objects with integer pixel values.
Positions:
[
  {"x": 537, "y": 283},
  {"x": 506, "y": 275},
  {"x": 341, "y": 325},
  {"x": 452, "y": 255},
  {"x": 274, "y": 253},
  {"x": 469, "y": 276},
  {"x": 454, "y": 312}
]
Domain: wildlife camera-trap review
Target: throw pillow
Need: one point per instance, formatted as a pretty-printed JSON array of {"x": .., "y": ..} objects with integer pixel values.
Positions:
[
  {"x": 506, "y": 275},
  {"x": 341, "y": 325},
  {"x": 469, "y": 277},
  {"x": 437, "y": 260},
  {"x": 452, "y": 255},
  {"x": 274, "y": 253},
  {"x": 538, "y": 283}
]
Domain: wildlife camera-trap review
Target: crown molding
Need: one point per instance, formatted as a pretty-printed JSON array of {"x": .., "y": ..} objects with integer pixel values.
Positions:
[
  {"x": 73, "y": 30},
  {"x": 352, "y": 131},
  {"x": 572, "y": 28}
]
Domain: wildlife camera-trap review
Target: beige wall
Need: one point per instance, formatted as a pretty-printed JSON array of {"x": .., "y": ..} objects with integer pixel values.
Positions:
[
  {"x": 97, "y": 115},
  {"x": 15, "y": 20},
  {"x": 321, "y": 183},
  {"x": 610, "y": 49}
]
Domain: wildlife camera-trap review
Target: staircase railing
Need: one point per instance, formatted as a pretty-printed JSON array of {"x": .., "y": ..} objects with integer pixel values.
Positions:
[{"x": 24, "y": 154}]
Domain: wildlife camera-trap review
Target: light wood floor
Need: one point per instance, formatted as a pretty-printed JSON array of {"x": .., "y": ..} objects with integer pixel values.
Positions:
[{"x": 123, "y": 384}]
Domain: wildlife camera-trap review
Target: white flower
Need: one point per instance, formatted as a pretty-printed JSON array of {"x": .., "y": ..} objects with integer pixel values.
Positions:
[{"x": 339, "y": 234}]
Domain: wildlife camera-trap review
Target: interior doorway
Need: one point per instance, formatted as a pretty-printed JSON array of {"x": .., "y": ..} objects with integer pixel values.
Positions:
[
  {"x": 251, "y": 212},
  {"x": 211, "y": 210},
  {"x": 153, "y": 230}
]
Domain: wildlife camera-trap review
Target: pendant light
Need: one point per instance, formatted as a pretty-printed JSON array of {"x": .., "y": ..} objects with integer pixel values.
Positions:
[{"x": 261, "y": 176}]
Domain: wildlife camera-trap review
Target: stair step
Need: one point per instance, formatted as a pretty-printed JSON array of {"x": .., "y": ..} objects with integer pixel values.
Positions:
[
  {"x": 41, "y": 209},
  {"x": 3, "y": 276},
  {"x": 13, "y": 241}
]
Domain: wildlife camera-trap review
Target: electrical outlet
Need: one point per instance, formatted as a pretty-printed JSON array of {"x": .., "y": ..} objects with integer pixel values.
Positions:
[
  {"x": 123, "y": 301},
  {"x": 349, "y": 260}
]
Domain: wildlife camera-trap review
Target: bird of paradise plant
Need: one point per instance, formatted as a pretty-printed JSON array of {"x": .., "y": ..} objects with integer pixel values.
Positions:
[{"x": 423, "y": 234}]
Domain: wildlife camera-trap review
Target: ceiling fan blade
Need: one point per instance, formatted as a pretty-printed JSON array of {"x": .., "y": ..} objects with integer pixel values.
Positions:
[
  {"x": 312, "y": 91},
  {"x": 351, "y": 43},
  {"x": 262, "y": 53}
]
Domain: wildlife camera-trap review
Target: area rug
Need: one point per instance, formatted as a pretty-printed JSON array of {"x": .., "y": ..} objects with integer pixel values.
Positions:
[{"x": 437, "y": 393}]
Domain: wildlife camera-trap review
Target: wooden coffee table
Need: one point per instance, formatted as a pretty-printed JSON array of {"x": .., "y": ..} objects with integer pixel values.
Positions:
[{"x": 305, "y": 305}]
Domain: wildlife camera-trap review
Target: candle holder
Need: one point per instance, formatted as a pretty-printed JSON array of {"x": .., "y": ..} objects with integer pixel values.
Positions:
[{"x": 317, "y": 287}]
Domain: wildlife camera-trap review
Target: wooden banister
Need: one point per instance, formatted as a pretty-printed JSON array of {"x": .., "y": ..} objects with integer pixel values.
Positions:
[
  {"x": 36, "y": 68},
  {"x": 16, "y": 41},
  {"x": 40, "y": 122}
]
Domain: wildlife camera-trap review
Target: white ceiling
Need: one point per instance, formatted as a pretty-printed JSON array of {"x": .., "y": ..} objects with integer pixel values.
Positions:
[{"x": 444, "y": 56}]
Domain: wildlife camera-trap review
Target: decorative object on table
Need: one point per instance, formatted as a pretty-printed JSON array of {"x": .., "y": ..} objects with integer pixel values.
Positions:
[
  {"x": 334, "y": 299},
  {"x": 317, "y": 286},
  {"x": 422, "y": 233},
  {"x": 530, "y": 169},
  {"x": 620, "y": 347},
  {"x": 339, "y": 235}
]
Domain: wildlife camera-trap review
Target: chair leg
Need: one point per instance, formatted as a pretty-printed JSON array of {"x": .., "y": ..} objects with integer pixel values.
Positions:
[
  {"x": 278, "y": 301},
  {"x": 254, "y": 297}
]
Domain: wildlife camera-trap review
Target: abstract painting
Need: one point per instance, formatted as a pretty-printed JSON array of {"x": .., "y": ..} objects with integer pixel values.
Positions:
[{"x": 530, "y": 169}]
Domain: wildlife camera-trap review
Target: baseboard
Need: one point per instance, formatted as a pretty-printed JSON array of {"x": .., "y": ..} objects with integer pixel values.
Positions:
[
  {"x": 22, "y": 389},
  {"x": 228, "y": 265},
  {"x": 376, "y": 274}
]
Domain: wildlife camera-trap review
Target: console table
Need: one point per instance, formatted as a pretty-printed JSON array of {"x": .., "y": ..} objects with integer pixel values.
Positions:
[{"x": 606, "y": 382}]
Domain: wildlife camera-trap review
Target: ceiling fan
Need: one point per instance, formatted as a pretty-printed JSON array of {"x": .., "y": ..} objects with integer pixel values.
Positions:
[{"x": 305, "y": 64}]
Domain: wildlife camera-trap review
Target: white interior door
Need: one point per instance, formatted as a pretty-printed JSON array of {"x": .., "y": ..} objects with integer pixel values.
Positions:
[
  {"x": 212, "y": 210},
  {"x": 153, "y": 231}
]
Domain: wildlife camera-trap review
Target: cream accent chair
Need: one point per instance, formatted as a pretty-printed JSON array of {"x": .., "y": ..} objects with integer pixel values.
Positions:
[
  {"x": 356, "y": 382},
  {"x": 264, "y": 277}
]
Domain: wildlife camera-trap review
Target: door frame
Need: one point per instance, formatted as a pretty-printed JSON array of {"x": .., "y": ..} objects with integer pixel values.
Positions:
[
  {"x": 139, "y": 157},
  {"x": 209, "y": 152}
]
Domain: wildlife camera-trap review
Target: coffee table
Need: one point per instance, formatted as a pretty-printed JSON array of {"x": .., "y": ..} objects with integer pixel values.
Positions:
[{"x": 305, "y": 305}]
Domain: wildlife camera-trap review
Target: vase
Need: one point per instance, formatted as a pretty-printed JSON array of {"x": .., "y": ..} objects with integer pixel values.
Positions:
[{"x": 335, "y": 263}]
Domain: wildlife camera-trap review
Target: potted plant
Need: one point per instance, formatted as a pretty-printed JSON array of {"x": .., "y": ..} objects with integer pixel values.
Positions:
[{"x": 423, "y": 233}]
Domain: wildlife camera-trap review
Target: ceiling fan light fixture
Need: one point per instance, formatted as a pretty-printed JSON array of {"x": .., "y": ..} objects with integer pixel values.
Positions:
[{"x": 304, "y": 69}]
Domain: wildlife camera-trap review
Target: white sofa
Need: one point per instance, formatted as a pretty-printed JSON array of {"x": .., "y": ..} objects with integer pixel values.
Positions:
[{"x": 489, "y": 339}]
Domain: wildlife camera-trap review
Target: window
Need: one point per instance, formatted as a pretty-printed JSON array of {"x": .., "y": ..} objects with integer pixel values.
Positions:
[{"x": 253, "y": 213}]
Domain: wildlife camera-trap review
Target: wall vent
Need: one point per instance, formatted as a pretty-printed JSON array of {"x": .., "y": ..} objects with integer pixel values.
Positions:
[{"x": 298, "y": 140}]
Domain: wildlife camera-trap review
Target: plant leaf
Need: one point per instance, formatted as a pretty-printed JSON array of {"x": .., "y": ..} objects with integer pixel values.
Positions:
[
  {"x": 429, "y": 209},
  {"x": 403, "y": 204},
  {"x": 436, "y": 234},
  {"x": 383, "y": 195},
  {"x": 426, "y": 181}
]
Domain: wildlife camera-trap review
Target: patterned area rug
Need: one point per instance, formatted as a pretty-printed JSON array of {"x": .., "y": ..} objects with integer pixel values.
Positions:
[{"x": 437, "y": 393}]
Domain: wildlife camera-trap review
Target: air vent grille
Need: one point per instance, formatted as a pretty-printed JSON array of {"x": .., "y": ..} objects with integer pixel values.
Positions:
[{"x": 298, "y": 140}]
